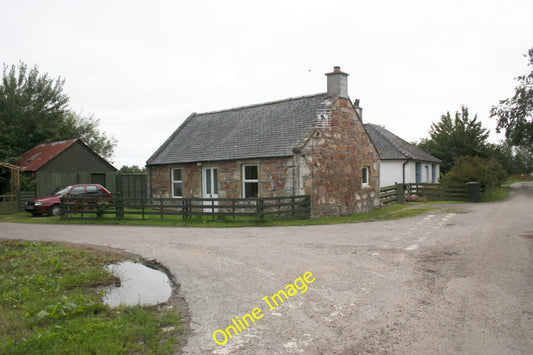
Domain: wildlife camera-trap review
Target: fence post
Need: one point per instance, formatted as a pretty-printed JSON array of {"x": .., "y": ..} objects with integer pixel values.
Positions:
[
  {"x": 19, "y": 208},
  {"x": 308, "y": 206},
  {"x": 400, "y": 193},
  {"x": 119, "y": 208},
  {"x": 260, "y": 209},
  {"x": 63, "y": 208},
  {"x": 293, "y": 201}
]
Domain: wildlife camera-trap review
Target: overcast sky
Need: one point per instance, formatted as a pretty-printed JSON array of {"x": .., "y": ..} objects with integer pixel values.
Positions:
[{"x": 142, "y": 67}]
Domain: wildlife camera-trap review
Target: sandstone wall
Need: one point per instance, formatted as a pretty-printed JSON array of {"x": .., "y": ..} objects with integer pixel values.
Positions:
[
  {"x": 331, "y": 165},
  {"x": 276, "y": 177}
]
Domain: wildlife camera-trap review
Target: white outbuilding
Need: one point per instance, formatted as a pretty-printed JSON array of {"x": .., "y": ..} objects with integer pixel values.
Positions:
[{"x": 402, "y": 162}]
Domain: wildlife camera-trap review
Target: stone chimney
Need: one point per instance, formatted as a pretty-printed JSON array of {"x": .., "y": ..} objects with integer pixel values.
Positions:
[{"x": 337, "y": 83}]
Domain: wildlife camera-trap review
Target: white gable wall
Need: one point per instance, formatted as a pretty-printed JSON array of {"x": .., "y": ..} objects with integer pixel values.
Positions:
[{"x": 391, "y": 172}]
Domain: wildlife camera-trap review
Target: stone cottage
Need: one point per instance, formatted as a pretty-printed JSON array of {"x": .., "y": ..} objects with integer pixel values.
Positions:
[{"x": 312, "y": 145}]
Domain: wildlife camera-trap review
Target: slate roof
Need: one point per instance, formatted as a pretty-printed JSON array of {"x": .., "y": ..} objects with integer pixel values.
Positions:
[
  {"x": 41, "y": 154},
  {"x": 271, "y": 129},
  {"x": 392, "y": 147}
]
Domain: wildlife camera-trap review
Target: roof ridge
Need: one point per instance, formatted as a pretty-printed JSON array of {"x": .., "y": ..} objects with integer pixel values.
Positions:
[
  {"x": 55, "y": 143},
  {"x": 263, "y": 104}
]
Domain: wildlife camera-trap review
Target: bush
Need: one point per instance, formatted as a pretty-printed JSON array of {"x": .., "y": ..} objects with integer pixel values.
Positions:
[{"x": 489, "y": 172}]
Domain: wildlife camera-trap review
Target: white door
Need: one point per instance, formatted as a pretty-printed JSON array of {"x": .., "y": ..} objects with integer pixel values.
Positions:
[{"x": 210, "y": 186}]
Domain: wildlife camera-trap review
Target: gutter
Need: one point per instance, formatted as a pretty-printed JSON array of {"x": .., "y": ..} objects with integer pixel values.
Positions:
[{"x": 403, "y": 170}]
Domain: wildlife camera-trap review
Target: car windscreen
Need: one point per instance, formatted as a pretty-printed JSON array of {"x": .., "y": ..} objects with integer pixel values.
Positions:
[{"x": 61, "y": 190}]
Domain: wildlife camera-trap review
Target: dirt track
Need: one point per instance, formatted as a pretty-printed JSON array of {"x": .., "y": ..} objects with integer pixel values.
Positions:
[{"x": 456, "y": 281}]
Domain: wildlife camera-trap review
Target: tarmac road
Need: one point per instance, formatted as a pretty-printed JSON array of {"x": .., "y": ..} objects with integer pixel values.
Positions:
[{"x": 456, "y": 281}]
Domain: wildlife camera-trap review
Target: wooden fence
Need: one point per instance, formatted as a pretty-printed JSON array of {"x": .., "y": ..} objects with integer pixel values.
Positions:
[
  {"x": 391, "y": 194},
  {"x": 25, "y": 196},
  {"x": 131, "y": 185},
  {"x": 8, "y": 204},
  {"x": 15, "y": 203},
  {"x": 437, "y": 192},
  {"x": 186, "y": 208}
]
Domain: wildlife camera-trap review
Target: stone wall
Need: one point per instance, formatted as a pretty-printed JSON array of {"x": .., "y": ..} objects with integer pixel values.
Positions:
[
  {"x": 159, "y": 177},
  {"x": 331, "y": 165},
  {"x": 275, "y": 178}
]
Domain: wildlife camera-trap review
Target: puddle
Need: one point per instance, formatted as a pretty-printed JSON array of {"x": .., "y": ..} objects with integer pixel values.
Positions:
[{"x": 139, "y": 285}]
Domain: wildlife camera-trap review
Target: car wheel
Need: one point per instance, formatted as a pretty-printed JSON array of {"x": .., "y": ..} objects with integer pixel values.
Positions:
[{"x": 55, "y": 210}]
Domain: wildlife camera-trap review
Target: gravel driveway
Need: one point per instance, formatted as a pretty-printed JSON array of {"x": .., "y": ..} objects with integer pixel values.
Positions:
[{"x": 456, "y": 281}]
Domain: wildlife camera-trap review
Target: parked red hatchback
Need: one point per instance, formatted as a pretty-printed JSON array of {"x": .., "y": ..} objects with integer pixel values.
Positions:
[{"x": 50, "y": 204}]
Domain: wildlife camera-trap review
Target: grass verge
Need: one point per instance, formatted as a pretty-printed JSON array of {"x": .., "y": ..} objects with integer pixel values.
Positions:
[
  {"x": 495, "y": 194},
  {"x": 394, "y": 211},
  {"x": 50, "y": 303}
]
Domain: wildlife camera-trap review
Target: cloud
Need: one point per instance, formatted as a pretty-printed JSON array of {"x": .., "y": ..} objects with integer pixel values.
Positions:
[{"x": 142, "y": 68}]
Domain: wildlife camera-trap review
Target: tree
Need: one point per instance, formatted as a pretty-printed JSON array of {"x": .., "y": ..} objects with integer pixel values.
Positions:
[
  {"x": 487, "y": 171},
  {"x": 134, "y": 169},
  {"x": 30, "y": 106},
  {"x": 522, "y": 160},
  {"x": 75, "y": 125},
  {"x": 515, "y": 114},
  {"x": 514, "y": 159},
  {"x": 34, "y": 110},
  {"x": 451, "y": 138}
]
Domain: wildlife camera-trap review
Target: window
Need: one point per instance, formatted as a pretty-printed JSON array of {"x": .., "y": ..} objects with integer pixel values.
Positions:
[
  {"x": 250, "y": 181},
  {"x": 78, "y": 190},
  {"x": 366, "y": 176},
  {"x": 433, "y": 173},
  {"x": 93, "y": 190},
  {"x": 211, "y": 182},
  {"x": 34, "y": 156},
  {"x": 177, "y": 183},
  {"x": 418, "y": 170}
]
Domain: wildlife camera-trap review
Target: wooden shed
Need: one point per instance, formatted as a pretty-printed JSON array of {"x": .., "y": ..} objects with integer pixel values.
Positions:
[{"x": 65, "y": 163}]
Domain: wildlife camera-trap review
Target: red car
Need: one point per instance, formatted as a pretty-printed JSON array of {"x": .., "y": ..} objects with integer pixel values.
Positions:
[{"x": 50, "y": 204}]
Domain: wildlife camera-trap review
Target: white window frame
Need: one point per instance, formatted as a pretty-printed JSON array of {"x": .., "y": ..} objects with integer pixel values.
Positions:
[
  {"x": 176, "y": 181},
  {"x": 367, "y": 174},
  {"x": 249, "y": 181}
]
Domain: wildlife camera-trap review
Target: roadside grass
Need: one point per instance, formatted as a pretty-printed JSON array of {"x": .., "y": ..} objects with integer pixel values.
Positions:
[
  {"x": 391, "y": 212},
  {"x": 394, "y": 211},
  {"x": 502, "y": 192},
  {"x": 50, "y": 303},
  {"x": 495, "y": 194},
  {"x": 519, "y": 178}
]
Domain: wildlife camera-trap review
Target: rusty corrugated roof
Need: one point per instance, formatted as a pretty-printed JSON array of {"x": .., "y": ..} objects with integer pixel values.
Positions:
[{"x": 39, "y": 155}]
